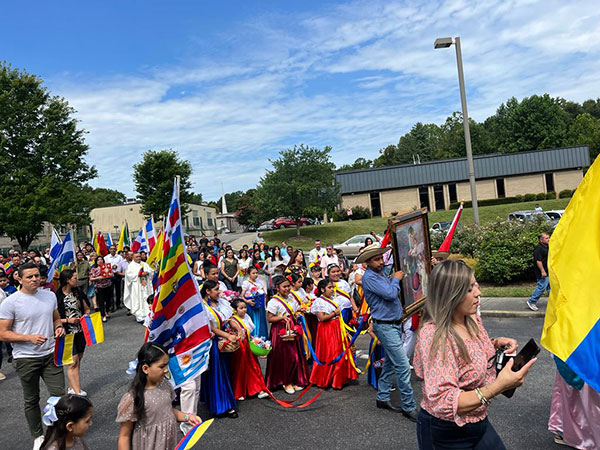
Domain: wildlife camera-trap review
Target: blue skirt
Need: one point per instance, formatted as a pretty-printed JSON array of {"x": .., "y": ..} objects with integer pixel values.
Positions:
[
  {"x": 259, "y": 317},
  {"x": 215, "y": 388},
  {"x": 374, "y": 372},
  {"x": 347, "y": 315}
]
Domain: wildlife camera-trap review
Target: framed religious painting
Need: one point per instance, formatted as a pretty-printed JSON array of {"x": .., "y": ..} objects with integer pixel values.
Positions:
[{"x": 412, "y": 255}]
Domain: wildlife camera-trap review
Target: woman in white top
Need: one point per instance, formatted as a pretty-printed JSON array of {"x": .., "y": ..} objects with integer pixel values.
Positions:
[
  {"x": 254, "y": 293},
  {"x": 243, "y": 265}
]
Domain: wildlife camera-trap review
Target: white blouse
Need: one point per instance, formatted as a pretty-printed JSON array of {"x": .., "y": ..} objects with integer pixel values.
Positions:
[
  {"x": 342, "y": 301},
  {"x": 321, "y": 305},
  {"x": 248, "y": 285},
  {"x": 248, "y": 322},
  {"x": 275, "y": 307},
  {"x": 224, "y": 310}
]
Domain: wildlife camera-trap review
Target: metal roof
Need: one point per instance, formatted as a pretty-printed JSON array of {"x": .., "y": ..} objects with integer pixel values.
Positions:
[{"x": 497, "y": 165}]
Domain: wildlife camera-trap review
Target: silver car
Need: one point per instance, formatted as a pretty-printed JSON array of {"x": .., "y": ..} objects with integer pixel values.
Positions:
[{"x": 353, "y": 245}]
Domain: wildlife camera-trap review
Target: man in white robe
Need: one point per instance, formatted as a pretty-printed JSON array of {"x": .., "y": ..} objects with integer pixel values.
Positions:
[{"x": 138, "y": 286}]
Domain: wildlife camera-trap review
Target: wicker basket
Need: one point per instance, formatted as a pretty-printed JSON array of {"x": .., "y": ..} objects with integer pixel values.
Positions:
[
  {"x": 227, "y": 346},
  {"x": 289, "y": 334}
]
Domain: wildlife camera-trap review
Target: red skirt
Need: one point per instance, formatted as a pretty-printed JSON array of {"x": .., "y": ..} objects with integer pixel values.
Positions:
[
  {"x": 286, "y": 363},
  {"x": 246, "y": 376},
  {"x": 329, "y": 346}
]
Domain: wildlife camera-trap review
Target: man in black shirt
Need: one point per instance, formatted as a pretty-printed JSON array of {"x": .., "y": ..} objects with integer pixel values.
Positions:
[{"x": 540, "y": 259}]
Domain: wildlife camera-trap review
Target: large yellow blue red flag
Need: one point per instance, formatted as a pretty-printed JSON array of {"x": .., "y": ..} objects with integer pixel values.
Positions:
[
  {"x": 63, "y": 350},
  {"x": 572, "y": 324},
  {"x": 179, "y": 319}
]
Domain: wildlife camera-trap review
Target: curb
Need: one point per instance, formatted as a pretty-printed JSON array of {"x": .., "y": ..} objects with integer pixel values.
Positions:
[{"x": 496, "y": 313}]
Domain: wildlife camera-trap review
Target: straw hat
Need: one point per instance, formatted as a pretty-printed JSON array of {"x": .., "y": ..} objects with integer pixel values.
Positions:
[
  {"x": 370, "y": 252},
  {"x": 438, "y": 254}
]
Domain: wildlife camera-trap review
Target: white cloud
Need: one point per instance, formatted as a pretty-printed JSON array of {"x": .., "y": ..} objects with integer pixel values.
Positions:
[{"x": 355, "y": 76}]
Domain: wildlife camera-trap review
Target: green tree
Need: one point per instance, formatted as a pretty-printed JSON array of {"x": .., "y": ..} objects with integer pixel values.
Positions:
[
  {"x": 452, "y": 138},
  {"x": 247, "y": 213},
  {"x": 302, "y": 183},
  {"x": 153, "y": 178},
  {"x": 592, "y": 107},
  {"x": 420, "y": 143},
  {"x": 99, "y": 197},
  {"x": 42, "y": 162},
  {"x": 536, "y": 122},
  {"x": 359, "y": 163},
  {"x": 585, "y": 130},
  {"x": 232, "y": 199},
  {"x": 196, "y": 199}
]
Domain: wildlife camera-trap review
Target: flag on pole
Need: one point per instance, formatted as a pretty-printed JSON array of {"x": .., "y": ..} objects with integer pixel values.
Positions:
[
  {"x": 139, "y": 244},
  {"x": 100, "y": 244},
  {"x": 156, "y": 253},
  {"x": 194, "y": 435},
  {"x": 63, "y": 350},
  {"x": 572, "y": 323},
  {"x": 109, "y": 241},
  {"x": 93, "y": 332},
  {"x": 180, "y": 321},
  {"x": 149, "y": 234},
  {"x": 386, "y": 239},
  {"x": 445, "y": 247},
  {"x": 55, "y": 242},
  {"x": 65, "y": 257},
  {"x": 124, "y": 238}
]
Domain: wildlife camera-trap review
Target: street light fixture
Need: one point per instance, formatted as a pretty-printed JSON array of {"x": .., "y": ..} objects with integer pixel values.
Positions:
[{"x": 445, "y": 43}]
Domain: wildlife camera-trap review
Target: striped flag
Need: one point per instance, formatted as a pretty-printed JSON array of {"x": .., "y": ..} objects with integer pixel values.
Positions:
[
  {"x": 156, "y": 253},
  {"x": 109, "y": 241},
  {"x": 140, "y": 245},
  {"x": 180, "y": 321},
  {"x": 445, "y": 247},
  {"x": 92, "y": 329},
  {"x": 55, "y": 242},
  {"x": 100, "y": 244},
  {"x": 63, "y": 350},
  {"x": 123, "y": 238},
  {"x": 149, "y": 234},
  {"x": 194, "y": 435},
  {"x": 65, "y": 257}
]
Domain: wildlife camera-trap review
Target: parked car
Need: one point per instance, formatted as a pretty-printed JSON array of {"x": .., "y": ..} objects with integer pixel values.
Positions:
[
  {"x": 442, "y": 227},
  {"x": 353, "y": 245},
  {"x": 288, "y": 222},
  {"x": 528, "y": 215},
  {"x": 555, "y": 214},
  {"x": 266, "y": 226},
  {"x": 251, "y": 228}
]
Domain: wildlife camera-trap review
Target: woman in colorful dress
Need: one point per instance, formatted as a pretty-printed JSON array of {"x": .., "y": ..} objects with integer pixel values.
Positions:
[
  {"x": 254, "y": 293},
  {"x": 332, "y": 341},
  {"x": 305, "y": 301},
  {"x": 216, "y": 387},
  {"x": 286, "y": 365},
  {"x": 103, "y": 287},
  {"x": 297, "y": 264},
  {"x": 246, "y": 375}
]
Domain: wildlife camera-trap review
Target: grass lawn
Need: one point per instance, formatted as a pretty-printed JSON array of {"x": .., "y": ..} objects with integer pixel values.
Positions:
[
  {"x": 337, "y": 232},
  {"x": 514, "y": 290}
]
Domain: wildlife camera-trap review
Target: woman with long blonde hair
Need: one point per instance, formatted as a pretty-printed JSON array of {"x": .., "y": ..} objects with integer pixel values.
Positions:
[{"x": 454, "y": 356}]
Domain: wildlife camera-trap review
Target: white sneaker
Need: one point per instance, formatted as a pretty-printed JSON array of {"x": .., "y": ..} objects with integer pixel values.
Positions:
[
  {"x": 532, "y": 306},
  {"x": 241, "y": 399},
  {"x": 37, "y": 442},
  {"x": 262, "y": 394},
  {"x": 2, "y": 376}
]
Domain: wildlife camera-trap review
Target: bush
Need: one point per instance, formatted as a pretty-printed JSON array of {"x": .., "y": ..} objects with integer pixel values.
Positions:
[
  {"x": 506, "y": 250},
  {"x": 519, "y": 198},
  {"x": 358, "y": 212},
  {"x": 540, "y": 196},
  {"x": 529, "y": 197},
  {"x": 565, "y": 193},
  {"x": 551, "y": 196}
]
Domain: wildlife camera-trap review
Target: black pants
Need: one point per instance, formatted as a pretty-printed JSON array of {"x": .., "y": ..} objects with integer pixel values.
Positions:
[
  {"x": 103, "y": 296},
  {"x": 438, "y": 434},
  {"x": 117, "y": 299}
]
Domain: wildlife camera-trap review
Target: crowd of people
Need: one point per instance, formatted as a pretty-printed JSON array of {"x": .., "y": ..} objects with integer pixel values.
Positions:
[{"x": 301, "y": 308}]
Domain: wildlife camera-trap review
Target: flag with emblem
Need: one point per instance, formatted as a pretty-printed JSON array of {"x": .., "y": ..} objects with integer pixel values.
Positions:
[
  {"x": 149, "y": 234},
  {"x": 179, "y": 319},
  {"x": 140, "y": 244}
]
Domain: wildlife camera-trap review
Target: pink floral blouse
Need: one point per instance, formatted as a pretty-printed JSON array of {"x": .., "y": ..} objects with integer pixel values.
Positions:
[{"x": 444, "y": 379}]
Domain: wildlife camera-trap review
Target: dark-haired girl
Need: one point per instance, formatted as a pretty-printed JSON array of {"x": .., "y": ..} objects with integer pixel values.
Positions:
[
  {"x": 148, "y": 421},
  {"x": 68, "y": 419},
  {"x": 253, "y": 293},
  {"x": 286, "y": 365},
  {"x": 305, "y": 301},
  {"x": 332, "y": 341},
  {"x": 216, "y": 386},
  {"x": 246, "y": 376},
  {"x": 297, "y": 264},
  {"x": 72, "y": 304}
]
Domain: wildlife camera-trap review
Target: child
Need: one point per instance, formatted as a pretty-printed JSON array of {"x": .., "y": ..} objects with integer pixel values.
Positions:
[
  {"x": 299, "y": 295},
  {"x": 216, "y": 387},
  {"x": 246, "y": 375},
  {"x": 331, "y": 342},
  {"x": 256, "y": 310},
  {"x": 308, "y": 287},
  {"x": 286, "y": 365},
  {"x": 68, "y": 419},
  {"x": 148, "y": 421}
]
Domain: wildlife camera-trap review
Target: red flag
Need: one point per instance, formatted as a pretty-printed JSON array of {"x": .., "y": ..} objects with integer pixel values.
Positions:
[
  {"x": 102, "y": 250},
  {"x": 445, "y": 247},
  {"x": 386, "y": 239}
]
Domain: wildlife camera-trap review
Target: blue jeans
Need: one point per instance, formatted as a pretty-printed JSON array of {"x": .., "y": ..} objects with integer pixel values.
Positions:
[
  {"x": 396, "y": 364},
  {"x": 543, "y": 284},
  {"x": 434, "y": 433}
]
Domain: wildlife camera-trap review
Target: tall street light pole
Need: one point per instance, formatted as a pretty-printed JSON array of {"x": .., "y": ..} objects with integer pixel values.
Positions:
[{"x": 445, "y": 43}]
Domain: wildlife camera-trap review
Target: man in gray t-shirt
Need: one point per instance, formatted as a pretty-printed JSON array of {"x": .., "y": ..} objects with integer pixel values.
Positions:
[{"x": 29, "y": 319}]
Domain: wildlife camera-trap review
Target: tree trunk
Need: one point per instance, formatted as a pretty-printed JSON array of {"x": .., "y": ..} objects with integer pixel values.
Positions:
[
  {"x": 298, "y": 227},
  {"x": 24, "y": 240}
]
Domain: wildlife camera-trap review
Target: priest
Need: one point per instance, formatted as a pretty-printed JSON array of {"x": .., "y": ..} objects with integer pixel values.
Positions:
[{"x": 138, "y": 287}]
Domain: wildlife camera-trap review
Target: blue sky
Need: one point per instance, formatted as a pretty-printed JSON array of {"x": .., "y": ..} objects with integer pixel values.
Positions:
[{"x": 229, "y": 84}]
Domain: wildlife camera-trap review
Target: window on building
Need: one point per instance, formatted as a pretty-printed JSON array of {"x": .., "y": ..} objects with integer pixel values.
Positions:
[
  {"x": 424, "y": 197},
  {"x": 452, "y": 193},
  {"x": 438, "y": 197},
  {"x": 500, "y": 188},
  {"x": 196, "y": 222},
  {"x": 549, "y": 182}
]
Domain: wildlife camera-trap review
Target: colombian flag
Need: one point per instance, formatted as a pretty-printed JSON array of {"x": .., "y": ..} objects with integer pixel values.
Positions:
[
  {"x": 193, "y": 436},
  {"x": 572, "y": 323},
  {"x": 63, "y": 350},
  {"x": 92, "y": 329}
]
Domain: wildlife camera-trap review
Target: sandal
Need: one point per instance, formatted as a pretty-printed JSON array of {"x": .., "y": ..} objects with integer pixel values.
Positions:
[{"x": 104, "y": 319}]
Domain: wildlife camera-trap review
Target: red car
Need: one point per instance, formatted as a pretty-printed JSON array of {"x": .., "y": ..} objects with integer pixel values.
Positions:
[{"x": 288, "y": 222}]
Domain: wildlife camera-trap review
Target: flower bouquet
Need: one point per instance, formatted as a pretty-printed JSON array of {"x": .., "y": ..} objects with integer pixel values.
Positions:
[{"x": 259, "y": 346}]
